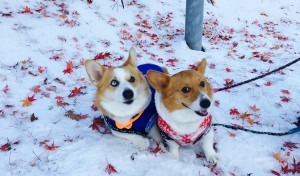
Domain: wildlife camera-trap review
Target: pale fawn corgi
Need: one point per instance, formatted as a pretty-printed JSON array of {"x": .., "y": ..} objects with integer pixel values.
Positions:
[{"x": 126, "y": 100}]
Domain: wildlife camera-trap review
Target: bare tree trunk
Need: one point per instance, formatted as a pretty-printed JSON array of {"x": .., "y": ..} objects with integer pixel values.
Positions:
[{"x": 194, "y": 23}]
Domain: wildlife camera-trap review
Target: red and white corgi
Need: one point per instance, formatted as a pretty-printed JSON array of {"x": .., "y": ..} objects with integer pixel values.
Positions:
[
  {"x": 125, "y": 99},
  {"x": 183, "y": 102}
]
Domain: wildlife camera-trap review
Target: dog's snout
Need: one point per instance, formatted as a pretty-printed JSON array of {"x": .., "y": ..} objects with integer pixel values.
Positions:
[
  {"x": 128, "y": 94},
  {"x": 205, "y": 103}
]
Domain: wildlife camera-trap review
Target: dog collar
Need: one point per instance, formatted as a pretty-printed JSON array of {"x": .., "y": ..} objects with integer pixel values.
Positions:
[
  {"x": 128, "y": 125},
  {"x": 183, "y": 139}
]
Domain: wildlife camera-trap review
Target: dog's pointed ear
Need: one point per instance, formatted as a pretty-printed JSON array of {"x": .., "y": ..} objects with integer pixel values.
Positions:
[
  {"x": 94, "y": 70},
  {"x": 131, "y": 58},
  {"x": 159, "y": 81},
  {"x": 201, "y": 67},
  {"x": 165, "y": 70}
]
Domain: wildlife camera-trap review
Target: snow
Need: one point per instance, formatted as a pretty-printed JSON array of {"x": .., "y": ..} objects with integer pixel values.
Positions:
[{"x": 238, "y": 35}]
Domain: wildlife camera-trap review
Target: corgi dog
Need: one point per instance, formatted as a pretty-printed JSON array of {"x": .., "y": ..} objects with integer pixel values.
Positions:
[
  {"x": 183, "y": 102},
  {"x": 126, "y": 100}
]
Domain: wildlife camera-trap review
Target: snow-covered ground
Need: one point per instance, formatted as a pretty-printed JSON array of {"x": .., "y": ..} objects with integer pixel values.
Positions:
[{"x": 48, "y": 125}]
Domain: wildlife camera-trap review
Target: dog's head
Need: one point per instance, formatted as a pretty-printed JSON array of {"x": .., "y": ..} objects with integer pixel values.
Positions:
[
  {"x": 123, "y": 91},
  {"x": 187, "y": 92}
]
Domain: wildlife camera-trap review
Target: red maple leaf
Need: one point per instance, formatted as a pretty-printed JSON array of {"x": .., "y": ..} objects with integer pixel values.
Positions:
[
  {"x": 110, "y": 169},
  {"x": 96, "y": 123},
  {"x": 291, "y": 145},
  {"x": 27, "y": 10},
  {"x": 228, "y": 69},
  {"x": 275, "y": 173},
  {"x": 31, "y": 99},
  {"x": 40, "y": 69},
  {"x": 268, "y": 83},
  {"x": 94, "y": 108},
  {"x": 228, "y": 82},
  {"x": 36, "y": 89},
  {"x": 285, "y": 99},
  {"x": 286, "y": 92},
  {"x": 69, "y": 68},
  {"x": 44, "y": 142},
  {"x": 51, "y": 88},
  {"x": 234, "y": 111},
  {"x": 61, "y": 103},
  {"x": 5, "y": 89},
  {"x": 172, "y": 61},
  {"x": 157, "y": 149},
  {"x": 51, "y": 147},
  {"x": 70, "y": 64},
  {"x": 76, "y": 91},
  {"x": 5, "y": 147},
  {"x": 102, "y": 55},
  {"x": 59, "y": 98},
  {"x": 83, "y": 116},
  {"x": 285, "y": 169}
]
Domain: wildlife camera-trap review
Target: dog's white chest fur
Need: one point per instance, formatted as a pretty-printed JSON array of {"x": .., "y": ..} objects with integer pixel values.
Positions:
[{"x": 179, "y": 120}]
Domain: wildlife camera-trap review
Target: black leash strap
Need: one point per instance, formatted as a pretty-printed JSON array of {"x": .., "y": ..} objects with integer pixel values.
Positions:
[
  {"x": 258, "y": 77},
  {"x": 292, "y": 131}
]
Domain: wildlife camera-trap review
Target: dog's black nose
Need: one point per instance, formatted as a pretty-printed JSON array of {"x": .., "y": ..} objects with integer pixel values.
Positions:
[
  {"x": 128, "y": 94},
  {"x": 205, "y": 103}
]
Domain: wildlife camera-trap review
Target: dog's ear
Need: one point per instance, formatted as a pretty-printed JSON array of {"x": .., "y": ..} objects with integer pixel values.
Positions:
[
  {"x": 131, "y": 58},
  {"x": 158, "y": 80},
  {"x": 94, "y": 70},
  {"x": 165, "y": 70},
  {"x": 201, "y": 67}
]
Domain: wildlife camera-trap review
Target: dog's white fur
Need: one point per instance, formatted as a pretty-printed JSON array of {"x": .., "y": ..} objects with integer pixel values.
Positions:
[
  {"x": 113, "y": 102},
  {"x": 180, "y": 123}
]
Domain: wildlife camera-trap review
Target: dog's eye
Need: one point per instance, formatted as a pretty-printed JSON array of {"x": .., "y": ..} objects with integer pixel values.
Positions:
[
  {"x": 186, "y": 89},
  {"x": 114, "y": 83},
  {"x": 132, "y": 79},
  {"x": 202, "y": 84}
]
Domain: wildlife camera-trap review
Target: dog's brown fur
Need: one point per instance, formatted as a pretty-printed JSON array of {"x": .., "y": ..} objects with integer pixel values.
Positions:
[{"x": 170, "y": 86}]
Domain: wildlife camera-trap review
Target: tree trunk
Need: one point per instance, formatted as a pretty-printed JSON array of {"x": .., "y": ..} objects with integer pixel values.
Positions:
[{"x": 194, "y": 23}]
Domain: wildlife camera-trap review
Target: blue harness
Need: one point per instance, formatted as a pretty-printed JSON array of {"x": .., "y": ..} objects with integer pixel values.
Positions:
[{"x": 146, "y": 121}]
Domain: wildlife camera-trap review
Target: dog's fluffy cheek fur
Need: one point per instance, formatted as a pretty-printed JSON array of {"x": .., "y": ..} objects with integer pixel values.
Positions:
[{"x": 108, "y": 104}]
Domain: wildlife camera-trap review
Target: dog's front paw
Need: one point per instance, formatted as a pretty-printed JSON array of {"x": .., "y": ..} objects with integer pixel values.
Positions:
[
  {"x": 212, "y": 157},
  {"x": 141, "y": 143}
]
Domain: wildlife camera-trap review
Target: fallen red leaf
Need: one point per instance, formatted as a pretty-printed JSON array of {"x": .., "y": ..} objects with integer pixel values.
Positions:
[
  {"x": 5, "y": 147},
  {"x": 234, "y": 111},
  {"x": 268, "y": 83},
  {"x": 27, "y": 10},
  {"x": 285, "y": 99},
  {"x": 76, "y": 91},
  {"x": 50, "y": 147},
  {"x": 110, "y": 169},
  {"x": 96, "y": 123},
  {"x": 286, "y": 92},
  {"x": 291, "y": 145},
  {"x": 5, "y": 89},
  {"x": 31, "y": 99},
  {"x": 36, "y": 89},
  {"x": 275, "y": 173}
]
